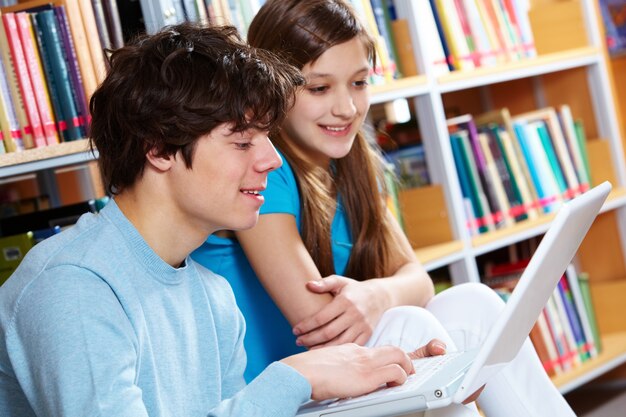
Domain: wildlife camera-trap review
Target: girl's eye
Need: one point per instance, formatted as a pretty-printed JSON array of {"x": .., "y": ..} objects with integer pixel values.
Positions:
[{"x": 361, "y": 83}]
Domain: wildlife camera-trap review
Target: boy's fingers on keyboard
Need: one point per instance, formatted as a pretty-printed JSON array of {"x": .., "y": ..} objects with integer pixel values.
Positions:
[
  {"x": 393, "y": 375},
  {"x": 433, "y": 348},
  {"x": 386, "y": 355}
]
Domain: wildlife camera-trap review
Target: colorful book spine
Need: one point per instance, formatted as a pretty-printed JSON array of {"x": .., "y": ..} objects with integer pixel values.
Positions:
[
  {"x": 35, "y": 72},
  {"x": 23, "y": 78},
  {"x": 70, "y": 122},
  {"x": 574, "y": 319},
  {"x": 78, "y": 91},
  {"x": 23, "y": 139},
  {"x": 8, "y": 119},
  {"x": 577, "y": 297}
]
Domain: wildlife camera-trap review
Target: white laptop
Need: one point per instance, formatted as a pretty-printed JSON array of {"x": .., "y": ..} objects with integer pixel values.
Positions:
[{"x": 451, "y": 378}]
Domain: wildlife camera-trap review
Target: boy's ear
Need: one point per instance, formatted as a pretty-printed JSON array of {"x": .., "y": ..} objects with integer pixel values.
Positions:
[{"x": 160, "y": 162}]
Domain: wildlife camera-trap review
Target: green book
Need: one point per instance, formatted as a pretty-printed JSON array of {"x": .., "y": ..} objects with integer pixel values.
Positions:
[
  {"x": 546, "y": 143},
  {"x": 478, "y": 198},
  {"x": 12, "y": 251},
  {"x": 583, "y": 280},
  {"x": 582, "y": 145}
]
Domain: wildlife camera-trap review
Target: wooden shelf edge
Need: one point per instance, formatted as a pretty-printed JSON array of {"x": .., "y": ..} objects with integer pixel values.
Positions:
[
  {"x": 436, "y": 255},
  {"x": 613, "y": 354},
  {"x": 46, "y": 152},
  {"x": 541, "y": 60},
  {"x": 528, "y": 228}
]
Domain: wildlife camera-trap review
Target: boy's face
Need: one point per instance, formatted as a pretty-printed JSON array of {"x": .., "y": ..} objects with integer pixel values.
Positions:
[{"x": 229, "y": 170}]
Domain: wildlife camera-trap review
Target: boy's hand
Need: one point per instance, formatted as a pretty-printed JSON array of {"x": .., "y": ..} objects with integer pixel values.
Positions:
[{"x": 350, "y": 370}]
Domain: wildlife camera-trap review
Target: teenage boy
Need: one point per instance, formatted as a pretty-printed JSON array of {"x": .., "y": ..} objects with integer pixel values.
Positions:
[{"x": 111, "y": 317}]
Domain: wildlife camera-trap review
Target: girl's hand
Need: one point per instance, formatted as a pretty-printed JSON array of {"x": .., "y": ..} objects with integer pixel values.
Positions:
[{"x": 349, "y": 318}]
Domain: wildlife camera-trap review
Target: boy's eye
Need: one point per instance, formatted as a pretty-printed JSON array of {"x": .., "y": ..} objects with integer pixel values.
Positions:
[
  {"x": 317, "y": 89},
  {"x": 243, "y": 145}
]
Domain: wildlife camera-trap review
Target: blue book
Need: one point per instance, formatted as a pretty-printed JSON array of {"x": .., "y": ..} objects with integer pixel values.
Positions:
[
  {"x": 442, "y": 36},
  {"x": 60, "y": 73},
  {"x": 572, "y": 316}
]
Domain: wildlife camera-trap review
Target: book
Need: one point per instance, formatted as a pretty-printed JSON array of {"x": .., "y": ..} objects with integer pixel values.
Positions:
[
  {"x": 568, "y": 331},
  {"x": 404, "y": 46},
  {"x": 93, "y": 38},
  {"x": 574, "y": 150},
  {"x": 12, "y": 251},
  {"x": 53, "y": 95},
  {"x": 101, "y": 24},
  {"x": 581, "y": 140},
  {"x": 114, "y": 24},
  {"x": 614, "y": 17},
  {"x": 452, "y": 65},
  {"x": 22, "y": 138},
  {"x": 35, "y": 71},
  {"x": 517, "y": 209},
  {"x": 78, "y": 34},
  {"x": 583, "y": 281},
  {"x": 461, "y": 54},
  {"x": 78, "y": 91},
  {"x": 565, "y": 356},
  {"x": 574, "y": 319},
  {"x": 566, "y": 173},
  {"x": 498, "y": 212},
  {"x": 578, "y": 301},
  {"x": 468, "y": 193},
  {"x": 23, "y": 78},
  {"x": 9, "y": 126},
  {"x": 494, "y": 181},
  {"x": 555, "y": 167},
  {"x": 483, "y": 46},
  {"x": 502, "y": 118},
  {"x": 538, "y": 165},
  {"x": 60, "y": 74},
  {"x": 481, "y": 209}
]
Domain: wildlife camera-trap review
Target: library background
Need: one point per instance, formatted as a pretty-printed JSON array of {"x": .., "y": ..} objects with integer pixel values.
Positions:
[{"x": 490, "y": 113}]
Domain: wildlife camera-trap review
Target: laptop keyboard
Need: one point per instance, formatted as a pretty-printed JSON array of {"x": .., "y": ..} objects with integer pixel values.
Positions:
[{"x": 424, "y": 369}]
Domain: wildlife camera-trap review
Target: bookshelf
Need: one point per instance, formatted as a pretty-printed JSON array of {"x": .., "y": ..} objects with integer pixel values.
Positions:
[{"x": 571, "y": 67}]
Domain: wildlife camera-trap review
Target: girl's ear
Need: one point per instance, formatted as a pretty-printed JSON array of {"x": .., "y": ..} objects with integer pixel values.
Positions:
[{"x": 160, "y": 162}]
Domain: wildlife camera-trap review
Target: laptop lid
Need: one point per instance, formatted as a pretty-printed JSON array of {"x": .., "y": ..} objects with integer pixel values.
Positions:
[{"x": 548, "y": 263}]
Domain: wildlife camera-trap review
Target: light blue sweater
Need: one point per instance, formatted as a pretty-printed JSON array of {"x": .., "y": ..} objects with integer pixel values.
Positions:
[{"x": 94, "y": 323}]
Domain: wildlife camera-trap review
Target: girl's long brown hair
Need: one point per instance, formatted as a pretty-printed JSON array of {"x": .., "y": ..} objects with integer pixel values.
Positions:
[{"x": 300, "y": 31}]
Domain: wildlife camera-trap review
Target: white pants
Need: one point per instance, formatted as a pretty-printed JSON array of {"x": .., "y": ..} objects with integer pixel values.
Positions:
[{"x": 461, "y": 317}]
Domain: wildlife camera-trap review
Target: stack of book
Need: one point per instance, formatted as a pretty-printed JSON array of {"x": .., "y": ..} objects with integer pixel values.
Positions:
[
  {"x": 50, "y": 63},
  {"x": 566, "y": 333},
  {"x": 516, "y": 168}
]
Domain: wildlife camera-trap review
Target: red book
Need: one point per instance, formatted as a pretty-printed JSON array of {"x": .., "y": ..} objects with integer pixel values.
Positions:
[
  {"x": 35, "y": 71},
  {"x": 23, "y": 79}
]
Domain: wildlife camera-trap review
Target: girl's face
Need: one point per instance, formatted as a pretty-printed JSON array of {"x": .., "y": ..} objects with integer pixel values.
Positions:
[{"x": 330, "y": 109}]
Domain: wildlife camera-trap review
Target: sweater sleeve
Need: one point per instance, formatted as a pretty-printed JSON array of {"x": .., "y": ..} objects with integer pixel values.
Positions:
[
  {"x": 72, "y": 348},
  {"x": 277, "y": 392}
]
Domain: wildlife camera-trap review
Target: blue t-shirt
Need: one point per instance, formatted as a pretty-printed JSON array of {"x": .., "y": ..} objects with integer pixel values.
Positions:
[{"x": 268, "y": 333}]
